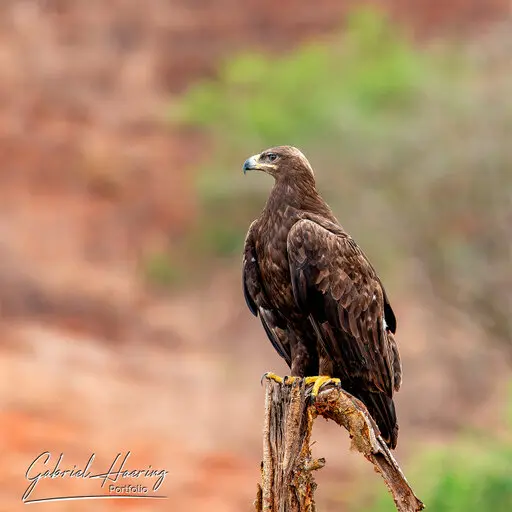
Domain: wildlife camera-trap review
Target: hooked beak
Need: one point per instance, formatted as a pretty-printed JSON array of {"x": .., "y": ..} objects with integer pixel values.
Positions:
[{"x": 251, "y": 164}]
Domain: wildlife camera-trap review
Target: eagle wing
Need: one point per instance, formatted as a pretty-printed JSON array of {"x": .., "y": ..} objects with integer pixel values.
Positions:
[
  {"x": 258, "y": 303},
  {"x": 336, "y": 286}
]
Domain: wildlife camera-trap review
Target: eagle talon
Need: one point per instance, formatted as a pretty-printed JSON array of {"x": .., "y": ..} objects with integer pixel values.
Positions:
[
  {"x": 318, "y": 382},
  {"x": 271, "y": 376}
]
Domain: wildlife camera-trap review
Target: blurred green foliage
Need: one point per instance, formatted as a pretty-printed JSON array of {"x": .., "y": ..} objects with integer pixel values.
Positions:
[
  {"x": 464, "y": 477},
  {"x": 160, "y": 271},
  {"x": 410, "y": 144},
  {"x": 473, "y": 474},
  {"x": 258, "y": 101}
]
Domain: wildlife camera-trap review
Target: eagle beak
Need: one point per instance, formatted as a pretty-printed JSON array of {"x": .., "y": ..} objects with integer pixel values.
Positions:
[{"x": 251, "y": 164}]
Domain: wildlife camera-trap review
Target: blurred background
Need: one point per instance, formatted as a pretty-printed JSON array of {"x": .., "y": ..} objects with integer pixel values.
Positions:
[{"x": 123, "y": 210}]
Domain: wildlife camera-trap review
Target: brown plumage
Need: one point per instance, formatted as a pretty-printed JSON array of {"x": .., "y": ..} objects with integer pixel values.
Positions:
[{"x": 319, "y": 299}]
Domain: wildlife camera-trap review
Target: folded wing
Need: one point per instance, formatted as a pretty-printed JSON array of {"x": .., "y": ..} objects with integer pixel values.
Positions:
[
  {"x": 273, "y": 323},
  {"x": 335, "y": 285}
]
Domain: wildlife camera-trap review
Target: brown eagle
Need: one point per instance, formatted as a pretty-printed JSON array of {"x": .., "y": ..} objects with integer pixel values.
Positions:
[{"x": 319, "y": 299}]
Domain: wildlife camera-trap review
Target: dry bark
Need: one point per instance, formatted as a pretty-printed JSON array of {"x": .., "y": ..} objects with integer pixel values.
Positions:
[{"x": 287, "y": 469}]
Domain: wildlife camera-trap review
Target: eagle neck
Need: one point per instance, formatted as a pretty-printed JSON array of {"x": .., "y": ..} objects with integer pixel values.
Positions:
[{"x": 299, "y": 195}]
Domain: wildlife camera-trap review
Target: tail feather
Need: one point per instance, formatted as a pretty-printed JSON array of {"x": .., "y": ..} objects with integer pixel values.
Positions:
[{"x": 382, "y": 411}]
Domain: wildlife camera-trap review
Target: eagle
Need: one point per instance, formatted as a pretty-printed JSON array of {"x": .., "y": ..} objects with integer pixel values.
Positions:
[{"x": 319, "y": 299}]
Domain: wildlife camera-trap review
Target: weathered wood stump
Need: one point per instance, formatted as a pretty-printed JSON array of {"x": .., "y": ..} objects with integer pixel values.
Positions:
[{"x": 287, "y": 469}]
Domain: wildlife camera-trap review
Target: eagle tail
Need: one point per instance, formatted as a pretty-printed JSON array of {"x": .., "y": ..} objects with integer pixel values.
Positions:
[{"x": 382, "y": 411}]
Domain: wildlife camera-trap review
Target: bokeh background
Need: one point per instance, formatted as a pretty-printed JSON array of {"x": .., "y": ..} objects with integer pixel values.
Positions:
[{"x": 123, "y": 209}]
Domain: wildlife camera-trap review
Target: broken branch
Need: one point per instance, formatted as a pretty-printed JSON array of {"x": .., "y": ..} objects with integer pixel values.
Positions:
[{"x": 287, "y": 469}]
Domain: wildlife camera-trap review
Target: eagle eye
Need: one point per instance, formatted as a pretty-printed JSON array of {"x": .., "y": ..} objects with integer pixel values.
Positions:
[{"x": 271, "y": 157}]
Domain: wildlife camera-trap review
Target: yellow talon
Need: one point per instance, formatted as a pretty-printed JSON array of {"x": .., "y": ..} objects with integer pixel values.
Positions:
[
  {"x": 318, "y": 382},
  {"x": 287, "y": 380},
  {"x": 272, "y": 376}
]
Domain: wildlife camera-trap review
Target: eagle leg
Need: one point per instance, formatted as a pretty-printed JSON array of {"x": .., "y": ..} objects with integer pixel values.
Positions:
[{"x": 318, "y": 382}]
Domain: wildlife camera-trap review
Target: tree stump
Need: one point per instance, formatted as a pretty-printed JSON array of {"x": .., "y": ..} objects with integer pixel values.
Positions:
[{"x": 287, "y": 469}]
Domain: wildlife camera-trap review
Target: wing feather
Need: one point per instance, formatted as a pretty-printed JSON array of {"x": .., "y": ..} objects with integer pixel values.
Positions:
[
  {"x": 254, "y": 292},
  {"x": 337, "y": 287}
]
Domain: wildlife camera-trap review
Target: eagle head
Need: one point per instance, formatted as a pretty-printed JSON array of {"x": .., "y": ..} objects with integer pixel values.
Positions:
[{"x": 281, "y": 162}]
